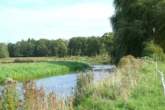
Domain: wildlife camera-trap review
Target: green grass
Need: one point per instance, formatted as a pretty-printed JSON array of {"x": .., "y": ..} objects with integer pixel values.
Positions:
[
  {"x": 22, "y": 71},
  {"x": 131, "y": 87}
]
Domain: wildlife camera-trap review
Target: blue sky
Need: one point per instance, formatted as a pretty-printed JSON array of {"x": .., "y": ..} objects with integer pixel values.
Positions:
[{"x": 53, "y": 19}]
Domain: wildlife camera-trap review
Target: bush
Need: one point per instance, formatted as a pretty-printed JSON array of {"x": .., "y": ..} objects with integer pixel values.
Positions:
[
  {"x": 22, "y": 61},
  {"x": 153, "y": 51},
  {"x": 129, "y": 61}
]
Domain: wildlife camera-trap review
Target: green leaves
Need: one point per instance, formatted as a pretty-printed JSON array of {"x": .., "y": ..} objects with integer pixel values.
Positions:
[
  {"x": 136, "y": 22},
  {"x": 3, "y": 51}
]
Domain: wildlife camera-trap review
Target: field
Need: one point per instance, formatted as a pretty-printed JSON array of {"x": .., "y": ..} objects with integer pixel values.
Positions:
[
  {"x": 22, "y": 71},
  {"x": 104, "y": 59}
]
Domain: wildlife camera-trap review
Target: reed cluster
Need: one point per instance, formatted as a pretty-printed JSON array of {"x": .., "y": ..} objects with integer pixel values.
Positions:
[{"x": 31, "y": 98}]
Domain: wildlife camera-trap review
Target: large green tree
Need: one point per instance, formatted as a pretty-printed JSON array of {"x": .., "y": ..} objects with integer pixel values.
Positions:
[
  {"x": 3, "y": 51},
  {"x": 77, "y": 45},
  {"x": 107, "y": 39},
  {"x": 41, "y": 48},
  {"x": 58, "y": 48},
  {"x": 95, "y": 46},
  {"x": 136, "y": 22}
]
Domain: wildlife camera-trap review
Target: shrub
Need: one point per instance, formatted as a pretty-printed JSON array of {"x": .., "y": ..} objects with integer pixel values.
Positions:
[
  {"x": 129, "y": 61},
  {"x": 154, "y": 51},
  {"x": 22, "y": 61}
]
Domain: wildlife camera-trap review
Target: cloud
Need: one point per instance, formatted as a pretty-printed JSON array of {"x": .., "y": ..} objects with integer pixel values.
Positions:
[{"x": 55, "y": 22}]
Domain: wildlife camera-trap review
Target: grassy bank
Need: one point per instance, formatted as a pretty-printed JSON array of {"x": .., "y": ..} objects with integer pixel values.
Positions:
[
  {"x": 133, "y": 86},
  {"x": 22, "y": 71}
]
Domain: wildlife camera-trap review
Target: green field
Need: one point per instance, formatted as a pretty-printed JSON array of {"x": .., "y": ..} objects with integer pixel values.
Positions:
[{"x": 22, "y": 71}]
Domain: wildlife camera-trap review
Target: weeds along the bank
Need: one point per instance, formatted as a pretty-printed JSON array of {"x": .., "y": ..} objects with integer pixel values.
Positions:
[
  {"x": 22, "y": 71},
  {"x": 134, "y": 85},
  {"x": 32, "y": 98}
]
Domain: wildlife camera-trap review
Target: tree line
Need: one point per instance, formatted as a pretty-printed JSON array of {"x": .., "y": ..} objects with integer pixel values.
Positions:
[{"x": 76, "y": 46}]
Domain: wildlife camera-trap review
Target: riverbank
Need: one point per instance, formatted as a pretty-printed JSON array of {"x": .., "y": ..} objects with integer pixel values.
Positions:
[
  {"x": 36, "y": 70},
  {"x": 134, "y": 85}
]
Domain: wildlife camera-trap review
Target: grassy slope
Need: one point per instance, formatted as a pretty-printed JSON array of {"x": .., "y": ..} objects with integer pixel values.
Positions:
[
  {"x": 131, "y": 87},
  {"x": 21, "y": 71}
]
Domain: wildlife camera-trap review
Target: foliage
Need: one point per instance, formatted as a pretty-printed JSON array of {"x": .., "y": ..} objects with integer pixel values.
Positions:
[
  {"x": 136, "y": 22},
  {"x": 76, "y": 46},
  {"x": 153, "y": 51},
  {"x": 3, "y": 51}
]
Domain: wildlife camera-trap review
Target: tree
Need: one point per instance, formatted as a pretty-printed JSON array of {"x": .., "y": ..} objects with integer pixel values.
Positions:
[
  {"x": 41, "y": 48},
  {"x": 136, "y": 22},
  {"x": 107, "y": 39},
  {"x": 11, "y": 49},
  {"x": 3, "y": 51},
  {"x": 95, "y": 46},
  {"x": 59, "y": 48},
  {"x": 77, "y": 46}
]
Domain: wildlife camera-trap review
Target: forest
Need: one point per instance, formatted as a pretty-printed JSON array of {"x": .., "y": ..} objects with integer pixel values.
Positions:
[{"x": 76, "y": 46}]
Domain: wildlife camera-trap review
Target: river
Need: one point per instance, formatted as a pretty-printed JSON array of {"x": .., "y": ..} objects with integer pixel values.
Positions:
[{"x": 63, "y": 85}]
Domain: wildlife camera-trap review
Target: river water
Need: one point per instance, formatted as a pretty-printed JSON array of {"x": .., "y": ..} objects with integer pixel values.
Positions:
[{"x": 63, "y": 85}]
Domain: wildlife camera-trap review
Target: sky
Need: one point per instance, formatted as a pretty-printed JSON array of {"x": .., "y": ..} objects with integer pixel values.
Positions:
[{"x": 53, "y": 19}]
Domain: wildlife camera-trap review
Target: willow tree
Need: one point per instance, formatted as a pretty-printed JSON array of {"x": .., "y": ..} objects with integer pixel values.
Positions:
[{"x": 136, "y": 22}]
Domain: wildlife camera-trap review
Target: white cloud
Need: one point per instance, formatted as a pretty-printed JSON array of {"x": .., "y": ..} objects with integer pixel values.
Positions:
[{"x": 52, "y": 23}]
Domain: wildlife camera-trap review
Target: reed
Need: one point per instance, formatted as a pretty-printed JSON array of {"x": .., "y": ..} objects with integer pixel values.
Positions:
[{"x": 33, "y": 98}]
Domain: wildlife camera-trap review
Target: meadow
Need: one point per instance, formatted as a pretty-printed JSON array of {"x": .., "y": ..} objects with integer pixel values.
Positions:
[{"x": 21, "y": 71}]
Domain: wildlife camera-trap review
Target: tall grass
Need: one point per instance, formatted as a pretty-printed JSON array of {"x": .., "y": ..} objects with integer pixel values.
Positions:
[
  {"x": 134, "y": 85},
  {"x": 32, "y": 98},
  {"x": 22, "y": 71}
]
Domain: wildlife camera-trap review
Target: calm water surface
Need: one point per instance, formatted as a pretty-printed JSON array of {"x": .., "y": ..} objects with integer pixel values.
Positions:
[{"x": 63, "y": 85}]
